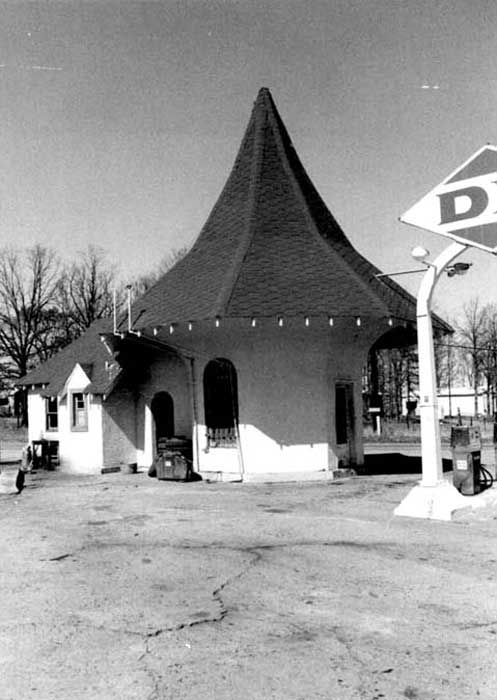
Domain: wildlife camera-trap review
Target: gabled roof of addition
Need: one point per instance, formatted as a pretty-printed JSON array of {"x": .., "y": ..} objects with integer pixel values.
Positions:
[
  {"x": 271, "y": 246},
  {"x": 89, "y": 352}
]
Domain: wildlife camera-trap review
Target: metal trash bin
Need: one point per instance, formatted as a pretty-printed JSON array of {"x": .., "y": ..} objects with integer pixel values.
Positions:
[
  {"x": 176, "y": 444},
  {"x": 172, "y": 466},
  {"x": 466, "y": 459},
  {"x": 45, "y": 454}
]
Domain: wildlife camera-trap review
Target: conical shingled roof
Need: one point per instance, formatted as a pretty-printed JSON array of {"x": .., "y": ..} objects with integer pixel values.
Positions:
[{"x": 270, "y": 246}]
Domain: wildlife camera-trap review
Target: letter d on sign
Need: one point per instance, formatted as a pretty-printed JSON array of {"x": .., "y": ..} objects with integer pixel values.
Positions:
[{"x": 478, "y": 203}]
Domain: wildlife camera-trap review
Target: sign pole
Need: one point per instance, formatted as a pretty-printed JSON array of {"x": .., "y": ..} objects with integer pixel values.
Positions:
[
  {"x": 428, "y": 406},
  {"x": 433, "y": 497}
]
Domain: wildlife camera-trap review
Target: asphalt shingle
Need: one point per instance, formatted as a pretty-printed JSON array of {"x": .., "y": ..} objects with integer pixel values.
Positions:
[
  {"x": 271, "y": 246},
  {"x": 88, "y": 351}
]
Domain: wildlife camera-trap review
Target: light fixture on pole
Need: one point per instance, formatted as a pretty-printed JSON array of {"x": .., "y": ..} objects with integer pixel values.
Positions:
[
  {"x": 458, "y": 268},
  {"x": 420, "y": 254}
]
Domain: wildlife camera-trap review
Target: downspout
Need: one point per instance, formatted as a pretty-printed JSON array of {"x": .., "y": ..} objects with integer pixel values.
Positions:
[
  {"x": 194, "y": 411},
  {"x": 239, "y": 451},
  {"x": 236, "y": 420}
]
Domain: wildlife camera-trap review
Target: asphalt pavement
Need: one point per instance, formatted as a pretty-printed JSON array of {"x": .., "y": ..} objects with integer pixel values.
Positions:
[{"x": 122, "y": 587}]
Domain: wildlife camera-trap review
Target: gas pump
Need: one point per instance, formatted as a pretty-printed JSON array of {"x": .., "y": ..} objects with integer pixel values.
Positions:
[{"x": 466, "y": 459}]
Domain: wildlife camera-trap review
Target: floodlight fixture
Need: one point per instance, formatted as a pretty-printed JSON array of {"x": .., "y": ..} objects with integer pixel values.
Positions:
[{"x": 420, "y": 253}]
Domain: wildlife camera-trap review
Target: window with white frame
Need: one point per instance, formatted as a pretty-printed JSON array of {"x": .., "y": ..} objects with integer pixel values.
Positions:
[
  {"x": 52, "y": 413},
  {"x": 79, "y": 411}
]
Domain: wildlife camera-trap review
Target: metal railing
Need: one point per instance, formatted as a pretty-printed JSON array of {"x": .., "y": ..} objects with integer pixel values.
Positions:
[{"x": 222, "y": 437}]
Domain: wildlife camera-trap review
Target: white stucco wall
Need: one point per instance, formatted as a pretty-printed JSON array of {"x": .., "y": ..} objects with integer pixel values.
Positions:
[
  {"x": 119, "y": 429},
  {"x": 283, "y": 400},
  {"x": 286, "y": 390},
  {"x": 79, "y": 451},
  {"x": 144, "y": 433},
  {"x": 170, "y": 374},
  {"x": 36, "y": 417},
  {"x": 286, "y": 394}
]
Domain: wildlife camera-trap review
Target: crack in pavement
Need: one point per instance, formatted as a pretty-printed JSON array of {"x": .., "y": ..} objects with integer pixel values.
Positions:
[
  {"x": 216, "y": 594},
  {"x": 253, "y": 554},
  {"x": 476, "y": 625},
  {"x": 341, "y": 638},
  {"x": 154, "y": 693},
  {"x": 256, "y": 556},
  {"x": 256, "y": 552}
]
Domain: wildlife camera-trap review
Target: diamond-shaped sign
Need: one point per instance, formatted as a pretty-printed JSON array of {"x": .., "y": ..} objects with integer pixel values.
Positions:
[{"x": 464, "y": 206}]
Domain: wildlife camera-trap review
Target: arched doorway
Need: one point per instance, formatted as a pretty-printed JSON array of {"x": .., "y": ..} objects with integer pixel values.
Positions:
[
  {"x": 163, "y": 413},
  {"x": 221, "y": 403}
]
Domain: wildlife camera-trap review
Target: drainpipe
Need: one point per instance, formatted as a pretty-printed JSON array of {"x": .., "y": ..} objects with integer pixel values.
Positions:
[
  {"x": 239, "y": 451},
  {"x": 194, "y": 411}
]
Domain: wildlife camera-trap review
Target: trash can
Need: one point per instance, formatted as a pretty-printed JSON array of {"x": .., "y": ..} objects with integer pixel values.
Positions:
[
  {"x": 176, "y": 444},
  {"x": 45, "y": 454},
  {"x": 466, "y": 459},
  {"x": 172, "y": 466}
]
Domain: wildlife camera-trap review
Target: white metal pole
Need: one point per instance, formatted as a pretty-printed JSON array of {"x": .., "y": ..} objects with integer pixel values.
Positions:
[
  {"x": 114, "y": 310},
  {"x": 128, "y": 287},
  {"x": 431, "y": 454}
]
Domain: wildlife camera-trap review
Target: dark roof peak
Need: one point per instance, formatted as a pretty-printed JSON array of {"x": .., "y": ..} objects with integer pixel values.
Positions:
[
  {"x": 270, "y": 246},
  {"x": 263, "y": 92}
]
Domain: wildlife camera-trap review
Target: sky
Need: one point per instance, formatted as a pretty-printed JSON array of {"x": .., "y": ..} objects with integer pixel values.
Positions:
[{"x": 120, "y": 121}]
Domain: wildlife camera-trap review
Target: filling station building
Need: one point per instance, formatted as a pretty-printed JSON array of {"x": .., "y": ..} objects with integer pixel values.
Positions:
[{"x": 251, "y": 347}]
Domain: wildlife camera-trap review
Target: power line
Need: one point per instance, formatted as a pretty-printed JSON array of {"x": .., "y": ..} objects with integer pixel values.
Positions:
[{"x": 486, "y": 348}]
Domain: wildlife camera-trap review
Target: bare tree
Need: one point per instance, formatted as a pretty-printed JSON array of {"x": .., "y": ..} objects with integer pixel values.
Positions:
[
  {"x": 490, "y": 358},
  {"x": 392, "y": 373},
  {"x": 28, "y": 280},
  {"x": 85, "y": 292},
  {"x": 472, "y": 330}
]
